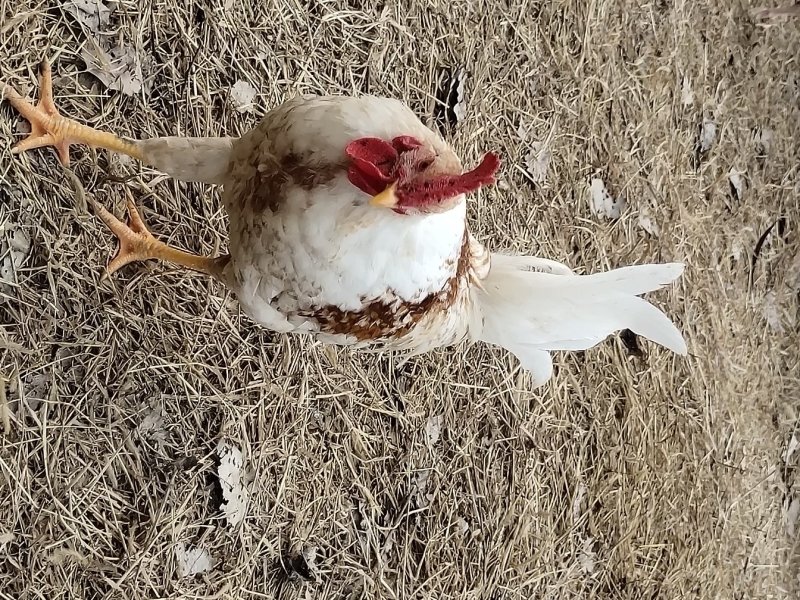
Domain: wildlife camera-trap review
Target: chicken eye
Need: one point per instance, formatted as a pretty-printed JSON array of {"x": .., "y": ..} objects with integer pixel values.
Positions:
[{"x": 424, "y": 164}]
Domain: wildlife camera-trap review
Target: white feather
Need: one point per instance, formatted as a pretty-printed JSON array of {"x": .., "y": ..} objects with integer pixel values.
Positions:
[{"x": 532, "y": 314}]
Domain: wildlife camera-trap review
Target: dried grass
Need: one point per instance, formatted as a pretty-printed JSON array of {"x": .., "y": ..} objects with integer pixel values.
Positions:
[{"x": 626, "y": 477}]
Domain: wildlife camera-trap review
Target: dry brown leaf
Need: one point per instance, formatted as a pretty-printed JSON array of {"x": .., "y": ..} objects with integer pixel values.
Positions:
[
  {"x": 93, "y": 14},
  {"x": 118, "y": 69}
]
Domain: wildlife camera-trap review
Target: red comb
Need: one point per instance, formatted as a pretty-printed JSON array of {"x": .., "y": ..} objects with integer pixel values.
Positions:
[
  {"x": 481, "y": 175},
  {"x": 441, "y": 188},
  {"x": 372, "y": 162},
  {"x": 372, "y": 150},
  {"x": 373, "y": 167},
  {"x": 404, "y": 143}
]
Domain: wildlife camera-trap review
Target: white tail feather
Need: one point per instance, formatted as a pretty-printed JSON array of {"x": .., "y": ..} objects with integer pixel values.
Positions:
[{"x": 533, "y": 313}]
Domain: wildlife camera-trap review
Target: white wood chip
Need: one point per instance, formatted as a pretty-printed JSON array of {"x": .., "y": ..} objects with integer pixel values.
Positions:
[
  {"x": 242, "y": 96},
  {"x": 231, "y": 475},
  {"x": 708, "y": 135},
  {"x": 602, "y": 203},
  {"x": 192, "y": 561}
]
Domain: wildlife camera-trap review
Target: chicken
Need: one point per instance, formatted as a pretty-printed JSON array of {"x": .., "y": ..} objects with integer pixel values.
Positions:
[{"x": 348, "y": 223}]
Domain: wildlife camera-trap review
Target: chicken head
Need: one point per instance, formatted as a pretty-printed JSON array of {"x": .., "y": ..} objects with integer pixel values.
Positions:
[{"x": 403, "y": 175}]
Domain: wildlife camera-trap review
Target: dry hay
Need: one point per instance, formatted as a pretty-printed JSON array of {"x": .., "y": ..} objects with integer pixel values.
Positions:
[{"x": 626, "y": 477}]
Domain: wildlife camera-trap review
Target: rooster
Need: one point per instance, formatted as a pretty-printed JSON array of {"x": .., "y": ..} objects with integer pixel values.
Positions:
[{"x": 347, "y": 222}]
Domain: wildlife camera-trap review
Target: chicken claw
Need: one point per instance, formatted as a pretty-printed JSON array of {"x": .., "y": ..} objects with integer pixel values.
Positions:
[
  {"x": 136, "y": 243},
  {"x": 49, "y": 128}
]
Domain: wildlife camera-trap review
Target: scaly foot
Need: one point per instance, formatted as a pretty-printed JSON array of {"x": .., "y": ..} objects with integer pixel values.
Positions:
[
  {"x": 49, "y": 128},
  {"x": 136, "y": 243},
  {"x": 44, "y": 117}
]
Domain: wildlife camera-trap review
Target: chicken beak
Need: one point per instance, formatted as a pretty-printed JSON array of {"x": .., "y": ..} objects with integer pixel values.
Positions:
[{"x": 386, "y": 199}]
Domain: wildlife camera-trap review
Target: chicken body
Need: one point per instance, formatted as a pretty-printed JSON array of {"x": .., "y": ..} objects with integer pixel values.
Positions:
[{"x": 307, "y": 251}]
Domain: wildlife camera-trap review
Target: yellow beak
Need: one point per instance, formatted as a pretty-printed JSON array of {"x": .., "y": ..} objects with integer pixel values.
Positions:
[{"x": 386, "y": 198}]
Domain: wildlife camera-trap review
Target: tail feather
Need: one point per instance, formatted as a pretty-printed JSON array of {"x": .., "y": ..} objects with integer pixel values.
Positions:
[{"x": 533, "y": 313}]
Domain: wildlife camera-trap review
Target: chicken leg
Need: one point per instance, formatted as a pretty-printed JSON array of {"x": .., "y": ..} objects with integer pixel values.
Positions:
[
  {"x": 185, "y": 158},
  {"x": 136, "y": 243},
  {"x": 192, "y": 159}
]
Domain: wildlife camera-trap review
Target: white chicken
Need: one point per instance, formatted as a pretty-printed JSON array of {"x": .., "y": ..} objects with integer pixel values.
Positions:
[{"x": 348, "y": 223}]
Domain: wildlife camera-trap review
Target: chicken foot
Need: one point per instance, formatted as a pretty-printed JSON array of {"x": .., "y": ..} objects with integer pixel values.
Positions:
[
  {"x": 191, "y": 159},
  {"x": 136, "y": 243},
  {"x": 185, "y": 158}
]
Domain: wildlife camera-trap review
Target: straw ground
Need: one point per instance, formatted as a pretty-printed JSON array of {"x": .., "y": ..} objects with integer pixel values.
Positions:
[{"x": 628, "y": 476}]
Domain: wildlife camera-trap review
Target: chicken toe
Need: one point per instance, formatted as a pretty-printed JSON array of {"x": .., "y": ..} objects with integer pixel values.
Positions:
[
  {"x": 50, "y": 128},
  {"x": 200, "y": 159},
  {"x": 136, "y": 243}
]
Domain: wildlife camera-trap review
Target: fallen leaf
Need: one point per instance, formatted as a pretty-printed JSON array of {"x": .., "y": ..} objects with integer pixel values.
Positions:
[
  {"x": 772, "y": 12},
  {"x": 463, "y": 526},
  {"x": 587, "y": 556},
  {"x": 67, "y": 556},
  {"x": 242, "y": 96},
  {"x": 152, "y": 426},
  {"x": 433, "y": 429},
  {"x": 687, "y": 95},
  {"x": 708, "y": 135},
  {"x": 93, "y": 14},
  {"x": 118, "y": 69},
  {"x": 737, "y": 182},
  {"x": 192, "y": 561},
  {"x": 537, "y": 163},
  {"x": 234, "y": 493},
  {"x": 302, "y": 565},
  {"x": 647, "y": 222},
  {"x": 763, "y": 139},
  {"x": 577, "y": 501},
  {"x": 794, "y": 444},
  {"x": 36, "y": 387},
  {"x": 602, "y": 202},
  {"x": 420, "y": 486},
  {"x": 791, "y": 515},
  {"x": 15, "y": 245},
  {"x": 737, "y": 249},
  {"x": 772, "y": 312},
  {"x": 793, "y": 273},
  {"x": 310, "y": 555},
  {"x": 8, "y": 537}
]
